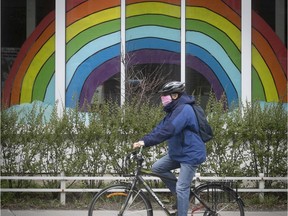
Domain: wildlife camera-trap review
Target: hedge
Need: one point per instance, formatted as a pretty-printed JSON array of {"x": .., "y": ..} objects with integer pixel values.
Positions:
[{"x": 249, "y": 139}]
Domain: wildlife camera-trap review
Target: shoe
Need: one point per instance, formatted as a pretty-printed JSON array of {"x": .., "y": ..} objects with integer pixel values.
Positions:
[{"x": 174, "y": 206}]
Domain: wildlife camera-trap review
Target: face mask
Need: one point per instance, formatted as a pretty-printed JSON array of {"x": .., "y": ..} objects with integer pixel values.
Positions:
[{"x": 166, "y": 100}]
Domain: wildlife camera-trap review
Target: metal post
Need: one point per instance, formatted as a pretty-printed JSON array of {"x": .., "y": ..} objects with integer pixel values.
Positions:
[
  {"x": 60, "y": 47},
  {"x": 261, "y": 187},
  {"x": 63, "y": 193},
  {"x": 30, "y": 16},
  {"x": 246, "y": 51},
  {"x": 183, "y": 41},
  {"x": 123, "y": 53},
  {"x": 197, "y": 183}
]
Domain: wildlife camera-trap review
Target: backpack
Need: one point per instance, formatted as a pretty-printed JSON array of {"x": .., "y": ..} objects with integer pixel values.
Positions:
[{"x": 205, "y": 130}]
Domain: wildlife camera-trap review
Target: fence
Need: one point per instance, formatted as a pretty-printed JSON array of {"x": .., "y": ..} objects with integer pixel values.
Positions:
[{"x": 198, "y": 178}]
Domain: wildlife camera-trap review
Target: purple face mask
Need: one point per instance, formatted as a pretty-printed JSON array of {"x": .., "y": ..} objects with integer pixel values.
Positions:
[{"x": 166, "y": 99}]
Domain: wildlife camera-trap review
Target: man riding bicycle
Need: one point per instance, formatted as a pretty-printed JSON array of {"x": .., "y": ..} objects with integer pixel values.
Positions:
[{"x": 186, "y": 150}]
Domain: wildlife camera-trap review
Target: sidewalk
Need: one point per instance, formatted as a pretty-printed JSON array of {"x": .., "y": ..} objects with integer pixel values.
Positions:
[{"x": 7, "y": 212}]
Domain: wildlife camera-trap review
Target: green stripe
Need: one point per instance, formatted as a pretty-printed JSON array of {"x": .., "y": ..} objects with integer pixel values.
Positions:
[
  {"x": 91, "y": 34},
  {"x": 258, "y": 92},
  {"x": 219, "y": 36},
  {"x": 45, "y": 74},
  {"x": 155, "y": 20},
  {"x": 43, "y": 78}
]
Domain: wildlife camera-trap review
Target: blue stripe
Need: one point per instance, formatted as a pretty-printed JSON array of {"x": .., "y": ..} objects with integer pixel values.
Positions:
[
  {"x": 85, "y": 69},
  {"x": 206, "y": 57}
]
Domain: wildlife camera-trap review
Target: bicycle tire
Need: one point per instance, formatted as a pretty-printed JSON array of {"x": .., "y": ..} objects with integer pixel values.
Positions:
[
  {"x": 108, "y": 202},
  {"x": 221, "y": 199}
]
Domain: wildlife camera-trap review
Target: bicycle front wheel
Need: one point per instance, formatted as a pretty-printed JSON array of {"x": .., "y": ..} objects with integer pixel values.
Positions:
[
  {"x": 110, "y": 200},
  {"x": 216, "y": 199}
]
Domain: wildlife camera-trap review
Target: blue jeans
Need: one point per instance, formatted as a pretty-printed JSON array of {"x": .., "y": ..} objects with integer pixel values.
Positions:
[{"x": 182, "y": 188}]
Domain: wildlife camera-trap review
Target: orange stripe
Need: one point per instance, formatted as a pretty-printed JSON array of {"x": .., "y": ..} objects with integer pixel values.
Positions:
[
  {"x": 21, "y": 56},
  {"x": 218, "y": 7},
  {"x": 258, "y": 40},
  {"x": 36, "y": 46},
  {"x": 73, "y": 15},
  {"x": 89, "y": 7},
  {"x": 271, "y": 61}
]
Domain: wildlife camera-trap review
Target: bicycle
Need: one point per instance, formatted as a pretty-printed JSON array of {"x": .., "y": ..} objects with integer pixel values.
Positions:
[{"x": 207, "y": 199}]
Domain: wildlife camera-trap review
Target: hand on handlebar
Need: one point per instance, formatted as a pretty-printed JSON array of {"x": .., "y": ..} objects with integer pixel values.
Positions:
[{"x": 138, "y": 144}]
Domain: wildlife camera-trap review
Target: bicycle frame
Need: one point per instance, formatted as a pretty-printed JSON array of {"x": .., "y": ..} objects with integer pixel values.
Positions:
[
  {"x": 138, "y": 178},
  {"x": 134, "y": 194}
]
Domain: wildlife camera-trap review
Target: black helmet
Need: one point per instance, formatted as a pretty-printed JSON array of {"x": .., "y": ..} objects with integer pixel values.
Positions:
[{"x": 172, "y": 87}]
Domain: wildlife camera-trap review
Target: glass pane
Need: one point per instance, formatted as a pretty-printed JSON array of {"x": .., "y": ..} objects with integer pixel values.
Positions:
[
  {"x": 27, "y": 32},
  {"x": 152, "y": 44},
  {"x": 269, "y": 50},
  {"x": 92, "y": 51},
  {"x": 213, "y": 55}
]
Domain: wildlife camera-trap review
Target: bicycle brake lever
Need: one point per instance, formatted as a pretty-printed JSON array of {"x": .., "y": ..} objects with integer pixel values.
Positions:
[{"x": 140, "y": 151}]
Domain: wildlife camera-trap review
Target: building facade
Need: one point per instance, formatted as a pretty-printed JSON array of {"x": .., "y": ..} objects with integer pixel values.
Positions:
[{"x": 72, "y": 50}]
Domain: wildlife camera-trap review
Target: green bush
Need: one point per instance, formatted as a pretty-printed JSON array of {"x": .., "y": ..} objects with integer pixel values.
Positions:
[{"x": 248, "y": 139}]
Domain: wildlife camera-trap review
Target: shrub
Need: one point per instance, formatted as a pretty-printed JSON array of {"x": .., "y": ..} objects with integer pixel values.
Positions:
[{"x": 248, "y": 140}]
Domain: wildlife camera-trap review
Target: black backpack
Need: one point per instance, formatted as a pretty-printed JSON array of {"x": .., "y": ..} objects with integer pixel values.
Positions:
[{"x": 205, "y": 130}]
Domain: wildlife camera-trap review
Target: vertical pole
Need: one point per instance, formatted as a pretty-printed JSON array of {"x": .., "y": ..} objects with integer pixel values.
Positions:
[
  {"x": 261, "y": 186},
  {"x": 60, "y": 46},
  {"x": 63, "y": 193},
  {"x": 280, "y": 19},
  {"x": 197, "y": 183},
  {"x": 183, "y": 41},
  {"x": 30, "y": 16},
  {"x": 123, "y": 53},
  {"x": 246, "y": 80},
  {"x": 1, "y": 53}
]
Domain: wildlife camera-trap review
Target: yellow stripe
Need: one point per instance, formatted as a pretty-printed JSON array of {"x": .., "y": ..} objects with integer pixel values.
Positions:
[
  {"x": 234, "y": 34},
  {"x": 265, "y": 76},
  {"x": 91, "y": 20},
  {"x": 216, "y": 20},
  {"x": 38, "y": 61},
  {"x": 153, "y": 8},
  {"x": 49, "y": 48},
  {"x": 148, "y": 8}
]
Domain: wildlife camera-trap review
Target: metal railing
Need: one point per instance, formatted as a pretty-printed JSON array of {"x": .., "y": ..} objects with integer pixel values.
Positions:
[{"x": 198, "y": 179}]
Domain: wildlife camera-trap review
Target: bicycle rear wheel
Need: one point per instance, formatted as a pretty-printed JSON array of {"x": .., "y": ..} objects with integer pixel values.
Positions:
[
  {"x": 109, "y": 201},
  {"x": 219, "y": 198}
]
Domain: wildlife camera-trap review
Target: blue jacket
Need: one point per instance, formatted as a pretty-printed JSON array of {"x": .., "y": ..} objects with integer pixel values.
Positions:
[{"x": 184, "y": 145}]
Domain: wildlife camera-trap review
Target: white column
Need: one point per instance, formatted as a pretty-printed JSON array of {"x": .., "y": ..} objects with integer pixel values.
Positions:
[
  {"x": 1, "y": 46},
  {"x": 60, "y": 46},
  {"x": 183, "y": 40},
  {"x": 123, "y": 53},
  {"x": 280, "y": 19},
  {"x": 246, "y": 61},
  {"x": 30, "y": 16}
]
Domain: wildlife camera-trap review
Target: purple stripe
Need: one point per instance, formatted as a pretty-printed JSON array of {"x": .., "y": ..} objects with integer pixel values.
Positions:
[
  {"x": 198, "y": 65},
  {"x": 100, "y": 74}
]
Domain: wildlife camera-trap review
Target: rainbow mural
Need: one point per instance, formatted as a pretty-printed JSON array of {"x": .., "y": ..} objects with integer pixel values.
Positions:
[{"x": 213, "y": 48}]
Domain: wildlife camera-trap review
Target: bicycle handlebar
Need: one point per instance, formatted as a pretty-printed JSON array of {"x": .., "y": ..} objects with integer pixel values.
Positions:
[{"x": 134, "y": 155}]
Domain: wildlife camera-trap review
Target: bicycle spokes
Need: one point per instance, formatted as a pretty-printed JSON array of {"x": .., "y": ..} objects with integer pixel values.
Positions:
[{"x": 214, "y": 199}]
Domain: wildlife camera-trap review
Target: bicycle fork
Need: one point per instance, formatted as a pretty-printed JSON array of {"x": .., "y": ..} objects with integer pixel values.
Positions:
[{"x": 126, "y": 203}]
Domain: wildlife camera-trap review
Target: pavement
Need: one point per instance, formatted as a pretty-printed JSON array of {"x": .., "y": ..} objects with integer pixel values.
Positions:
[{"x": 8, "y": 212}]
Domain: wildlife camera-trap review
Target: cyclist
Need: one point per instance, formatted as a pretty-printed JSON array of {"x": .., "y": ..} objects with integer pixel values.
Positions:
[{"x": 186, "y": 149}]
